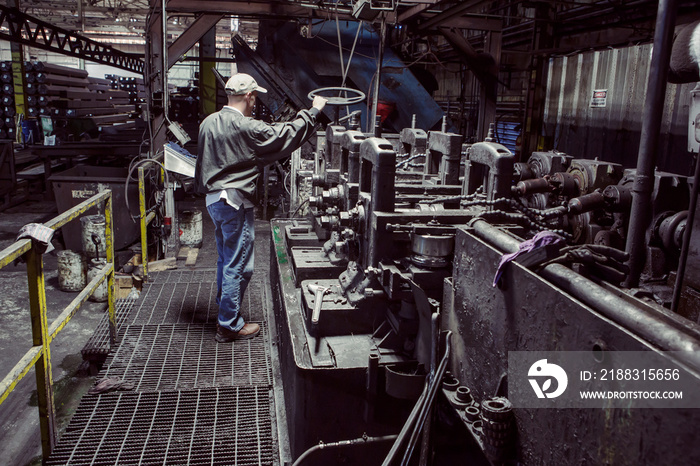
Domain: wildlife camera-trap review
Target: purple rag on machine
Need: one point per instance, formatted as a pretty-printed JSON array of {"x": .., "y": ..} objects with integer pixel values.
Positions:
[{"x": 540, "y": 240}]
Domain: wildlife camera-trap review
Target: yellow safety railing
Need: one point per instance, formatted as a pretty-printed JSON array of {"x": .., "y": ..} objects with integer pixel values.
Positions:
[
  {"x": 43, "y": 333},
  {"x": 144, "y": 220}
]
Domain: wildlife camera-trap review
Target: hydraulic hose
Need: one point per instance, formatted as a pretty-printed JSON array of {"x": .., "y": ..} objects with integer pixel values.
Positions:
[{"x": 343, "y": 443}]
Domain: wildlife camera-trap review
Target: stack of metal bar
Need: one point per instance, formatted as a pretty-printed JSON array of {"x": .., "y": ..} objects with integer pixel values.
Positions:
[
  {"x": 7, "y": 104},
  {"x": 134, "y": 86},
  {"x": 63, "y": 92}
]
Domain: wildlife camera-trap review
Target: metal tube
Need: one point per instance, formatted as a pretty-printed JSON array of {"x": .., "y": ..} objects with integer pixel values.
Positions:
[
  {"x": 406, "y": 427},
  {"x": 342, "y": 443},
  {"x": 678, "y": 285},
  {"x": 371, "y": 384},
  {"x": 646, "y": 160},
  {"x": 417, "y": 410},
  {"x": 427, "y": 406},
  {"x": 380, "y": 59},
  {"x": 664, "y": 331},
  {"x": 435, "y": 340}
]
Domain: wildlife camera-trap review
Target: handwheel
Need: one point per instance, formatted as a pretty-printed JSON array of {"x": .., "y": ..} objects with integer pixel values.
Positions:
[{"x": 337, "y": 100}]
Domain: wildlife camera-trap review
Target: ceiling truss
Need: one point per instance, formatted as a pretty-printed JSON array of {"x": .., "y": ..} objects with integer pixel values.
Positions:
[{"x": 21, "y": 28}]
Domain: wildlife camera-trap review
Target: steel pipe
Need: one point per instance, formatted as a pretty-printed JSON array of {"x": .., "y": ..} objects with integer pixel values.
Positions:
[
  {"x": 646, "y": 161},
  {"x": 665, "y": 331}
]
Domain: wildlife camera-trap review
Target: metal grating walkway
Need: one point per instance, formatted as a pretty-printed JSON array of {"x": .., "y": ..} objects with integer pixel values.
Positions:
[
  {"x": 186, "y": 300},
  {"x": 212, "y": 426},
  {"x": 193, "y": 401},
  {"x": 180, "y": 357},
  {"x": 172, "y": 277},
  {"x": 193, "y": 300},
  {"x": 97, "y": 346}
]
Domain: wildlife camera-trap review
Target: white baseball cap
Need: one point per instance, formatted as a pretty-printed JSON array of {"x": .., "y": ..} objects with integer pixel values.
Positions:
[{"x": 242, "y": 83}]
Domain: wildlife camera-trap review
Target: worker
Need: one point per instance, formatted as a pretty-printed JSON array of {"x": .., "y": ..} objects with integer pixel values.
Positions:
[{"x": 233, "y": 149}]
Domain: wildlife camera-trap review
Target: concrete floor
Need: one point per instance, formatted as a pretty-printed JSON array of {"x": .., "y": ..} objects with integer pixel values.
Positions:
[{"x": 20, "y": 440}]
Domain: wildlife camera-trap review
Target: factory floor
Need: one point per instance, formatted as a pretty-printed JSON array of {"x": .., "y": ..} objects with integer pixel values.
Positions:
[{"x": 192, "y": 401}]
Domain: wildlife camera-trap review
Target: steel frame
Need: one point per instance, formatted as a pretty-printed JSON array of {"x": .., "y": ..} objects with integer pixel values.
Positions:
[{"x": 27, "y": 30}]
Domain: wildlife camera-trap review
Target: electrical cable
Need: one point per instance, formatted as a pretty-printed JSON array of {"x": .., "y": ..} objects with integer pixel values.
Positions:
[
  {"x": 335, "y": 45},
  {"x": 284, "y": 182},
  {"x": 305, "y": 201},
  {"x": 159, "y": 199},
  {"x": 352, "y": 51},
  {"x": 322, "y": 23},
  {"x": 340, "y": 45}
]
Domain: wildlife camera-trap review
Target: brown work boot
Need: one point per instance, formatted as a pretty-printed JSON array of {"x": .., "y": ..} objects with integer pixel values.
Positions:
[{"x": 224, "y": 335}]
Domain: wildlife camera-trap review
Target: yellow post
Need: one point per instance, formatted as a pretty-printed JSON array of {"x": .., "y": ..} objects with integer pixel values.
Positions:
[
  {"x": 142, "y": 221},
  {"x": 109, "y": 253},
  {"x": 40, "y": 337}
]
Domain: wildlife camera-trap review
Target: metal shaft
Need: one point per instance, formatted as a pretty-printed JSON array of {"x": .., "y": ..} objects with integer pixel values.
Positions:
[
  {"x": 646, "y": 160},
  {"x": 686, "y": 238}
]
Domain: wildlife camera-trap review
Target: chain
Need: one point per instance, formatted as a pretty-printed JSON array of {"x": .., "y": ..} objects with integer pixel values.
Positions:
[
  {"x": 463, "y": 198},
  {"x": 520, "y": 219},
  {"x": 411, "y": 158},
  {"x": 536, "y": 219}
]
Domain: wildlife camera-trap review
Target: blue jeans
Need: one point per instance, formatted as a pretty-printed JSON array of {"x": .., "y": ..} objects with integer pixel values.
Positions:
[{"x": 235, "y": 236}]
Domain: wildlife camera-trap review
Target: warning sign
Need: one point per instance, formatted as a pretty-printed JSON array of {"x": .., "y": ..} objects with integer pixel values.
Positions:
[{"x": 599, "y": 98}]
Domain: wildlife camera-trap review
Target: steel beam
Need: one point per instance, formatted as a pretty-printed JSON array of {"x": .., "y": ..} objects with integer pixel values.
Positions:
[
  {"x": 448, "y": 14},
  {"x": 265, "y": 8},
  {"x": 34, "y": 32},
  {"x": 542, "y": 39},
  {"x": 187, "y": 39},
  {"x": 489, "y": 91},
  {"x": 485, "y": 68},
  {"x": 207, "y": 78},
  {"x": 416, "y": 11},
  {"x": 475, "y": 22},
  {"x": 156, "y": 78},
  {"x": 280, "y": 94}
]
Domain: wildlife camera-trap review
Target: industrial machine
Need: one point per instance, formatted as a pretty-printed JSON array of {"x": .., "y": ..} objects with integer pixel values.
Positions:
[{"x": 425, "y": 262}]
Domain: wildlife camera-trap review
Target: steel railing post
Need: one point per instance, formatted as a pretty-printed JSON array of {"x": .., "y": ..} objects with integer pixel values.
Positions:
[
  {"x": 40, "y": 337},
  {"x": 142, "y": 221},
  {"x": 109, "y": 254}
]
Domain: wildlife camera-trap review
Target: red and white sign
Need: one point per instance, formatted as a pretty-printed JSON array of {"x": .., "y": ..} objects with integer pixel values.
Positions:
[{"x": 599, "y": 98}]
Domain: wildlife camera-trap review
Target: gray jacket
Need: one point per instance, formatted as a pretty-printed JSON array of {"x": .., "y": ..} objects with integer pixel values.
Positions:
[{"x": 233, "y": 149}]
